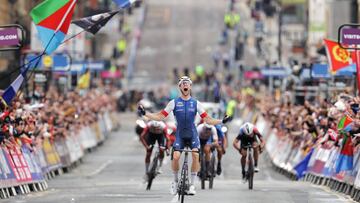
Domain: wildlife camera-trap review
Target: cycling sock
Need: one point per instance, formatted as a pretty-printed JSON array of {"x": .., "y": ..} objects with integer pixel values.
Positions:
[
  {"x": 193, "y": 176},
  {"x": 176, "y": 176},
  {"x": 147, "y": 167},
  {"x": 255, "y": 164}
]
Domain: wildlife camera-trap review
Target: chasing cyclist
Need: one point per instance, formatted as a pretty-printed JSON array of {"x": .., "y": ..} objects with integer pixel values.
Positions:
[
  {"x": 155, "y": 131},
  {"x": 208, "y": 138},
  {"x": 220, "y": 147},
  {"x": 185, "y": 109},
  {"x": 248, "y": 135}
]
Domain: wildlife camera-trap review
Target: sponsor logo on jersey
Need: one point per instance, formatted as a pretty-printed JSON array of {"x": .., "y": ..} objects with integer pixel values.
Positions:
[{"x": 179, "y": 104}]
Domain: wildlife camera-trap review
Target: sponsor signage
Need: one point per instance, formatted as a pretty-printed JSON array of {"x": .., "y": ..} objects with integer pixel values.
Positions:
[
  {"x": 274, "y": 72},
  {"x": 350, "y": 36},
  {"x": 9, "y": 37}
]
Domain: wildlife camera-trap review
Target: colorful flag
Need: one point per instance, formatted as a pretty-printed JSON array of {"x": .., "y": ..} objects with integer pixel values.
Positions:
[
  {"x": 345, "y": 123},
  {"x": 337, "y": 56},
  {"x": 10, "y": 92},
  {"x": 124, "y": 3},
  {"x": 52, "y": 19},
  {"x": 94, "y": 23},
  {"x": 345, "y": 160},
  {"x": 301, "y": 167}
]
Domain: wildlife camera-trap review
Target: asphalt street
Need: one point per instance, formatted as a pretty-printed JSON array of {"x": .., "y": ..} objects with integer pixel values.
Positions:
[{"x": 114, "y": 173}]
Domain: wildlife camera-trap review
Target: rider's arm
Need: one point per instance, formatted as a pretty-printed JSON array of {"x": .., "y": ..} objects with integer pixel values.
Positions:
[
  {"x": 207, "y": 119},
  {"x": 162, "y": 114},
  {"x": 236, "y": 143},
  {"x": 215, "y": 135},
  {"x": 142, "y": 137},
  {"x": 258, "y": 134},
  {"x": 167, "y": 137}
]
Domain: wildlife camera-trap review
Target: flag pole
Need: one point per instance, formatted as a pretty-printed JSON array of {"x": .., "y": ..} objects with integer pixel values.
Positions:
[
  {"x": 66, "y": 40},
  {"x": 358, "y": 70},
  {"x": 48, "y": 44}
]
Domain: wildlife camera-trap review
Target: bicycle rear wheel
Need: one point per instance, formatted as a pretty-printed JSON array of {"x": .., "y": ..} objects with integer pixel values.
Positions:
[
  {"x": 212, "y": 171},
  {"x": 202, "y": 171}
]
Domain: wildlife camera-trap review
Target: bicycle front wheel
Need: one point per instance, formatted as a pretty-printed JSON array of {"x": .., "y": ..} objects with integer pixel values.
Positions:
[{"x": 152, "y": 173}]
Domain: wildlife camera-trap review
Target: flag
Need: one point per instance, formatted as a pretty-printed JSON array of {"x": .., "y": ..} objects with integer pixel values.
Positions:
[
  {"x": 301, "y": 167},
  {"x": 124, "y": 3},
  {"x": 345, "y": 123},
  {"x": 337, "y": 56},
  {"x": 332, "y": 134},
  {"x": 10, "y": 92},
  {"x": 356, "y": 56},
  {"x": 345, "y": 160},
  {"x": 52, "y": 19},
  {"x": 84, "y": 81},
  {"x": 94, "y": 23}
]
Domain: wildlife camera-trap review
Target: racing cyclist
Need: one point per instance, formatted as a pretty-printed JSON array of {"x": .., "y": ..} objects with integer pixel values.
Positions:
[
  {"x": 248, "y": 135},
  {"x": 220, "y": 147},
  {"x": 208, "y": 138},
  {"x": 185, "y": 109},
  {"x": 155, "y": 131}
]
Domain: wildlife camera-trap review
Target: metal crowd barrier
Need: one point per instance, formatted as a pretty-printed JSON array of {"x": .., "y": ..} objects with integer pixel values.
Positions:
[
  {"x": 284, "y": 156},
  {"x": 22, "y": 171}
]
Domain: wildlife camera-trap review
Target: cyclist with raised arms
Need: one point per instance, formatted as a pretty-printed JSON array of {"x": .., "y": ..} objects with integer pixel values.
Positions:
[
  {"x": 248, "y": 135},
  {"x": 185, "y": 109}
]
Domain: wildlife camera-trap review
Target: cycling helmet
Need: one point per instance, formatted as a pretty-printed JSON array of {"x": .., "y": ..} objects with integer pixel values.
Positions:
[
  {"x": 184, "y": 78},
  {"x": 156, "y": 124},
  {"x": 248, "y": 128},
  {"x": 207, "y": 126}
]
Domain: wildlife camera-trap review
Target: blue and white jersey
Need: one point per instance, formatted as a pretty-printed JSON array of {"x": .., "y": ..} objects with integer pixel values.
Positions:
[
  {"x": 185, "y": 112},
  {"x": 219, "y": 131}
]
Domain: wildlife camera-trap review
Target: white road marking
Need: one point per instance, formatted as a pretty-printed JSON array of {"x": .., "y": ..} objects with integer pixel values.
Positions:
[{"x": 101, "y": 168}]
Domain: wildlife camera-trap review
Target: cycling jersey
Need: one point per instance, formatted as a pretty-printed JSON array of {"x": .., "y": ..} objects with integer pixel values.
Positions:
[
  {"x": 246, "y": 139},
  {"x": 185, "y": 112},
  {"x": 155, "y": 132},
  {"x": 207, "y": 137},
  {"x": 220, "y": 133}
]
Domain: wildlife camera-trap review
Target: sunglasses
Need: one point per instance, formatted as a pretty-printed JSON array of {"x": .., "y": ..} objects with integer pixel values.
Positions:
[{"x": 185, "y": 82}]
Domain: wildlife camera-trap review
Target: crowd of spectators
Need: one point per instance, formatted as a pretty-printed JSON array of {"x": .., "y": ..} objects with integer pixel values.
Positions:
[
  {"x": 313, "y": 123},
  {"x": 54, "y": 114}
]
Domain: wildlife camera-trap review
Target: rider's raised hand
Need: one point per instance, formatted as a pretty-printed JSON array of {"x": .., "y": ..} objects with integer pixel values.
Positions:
[
  {"x": 141, "y": 110},
  {"x": 226, "y": 119}
]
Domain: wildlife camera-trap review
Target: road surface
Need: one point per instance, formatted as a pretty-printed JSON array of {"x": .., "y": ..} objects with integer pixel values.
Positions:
[{"x": 114, "y": 173}]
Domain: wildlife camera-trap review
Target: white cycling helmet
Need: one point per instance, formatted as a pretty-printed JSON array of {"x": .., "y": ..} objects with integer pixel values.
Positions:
[
  {"x": 207, "y": 126},
  {"x": 156, "y": 124},
  {"x": 184, "y": 78},
  {"x": 248, "y": 128}
]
